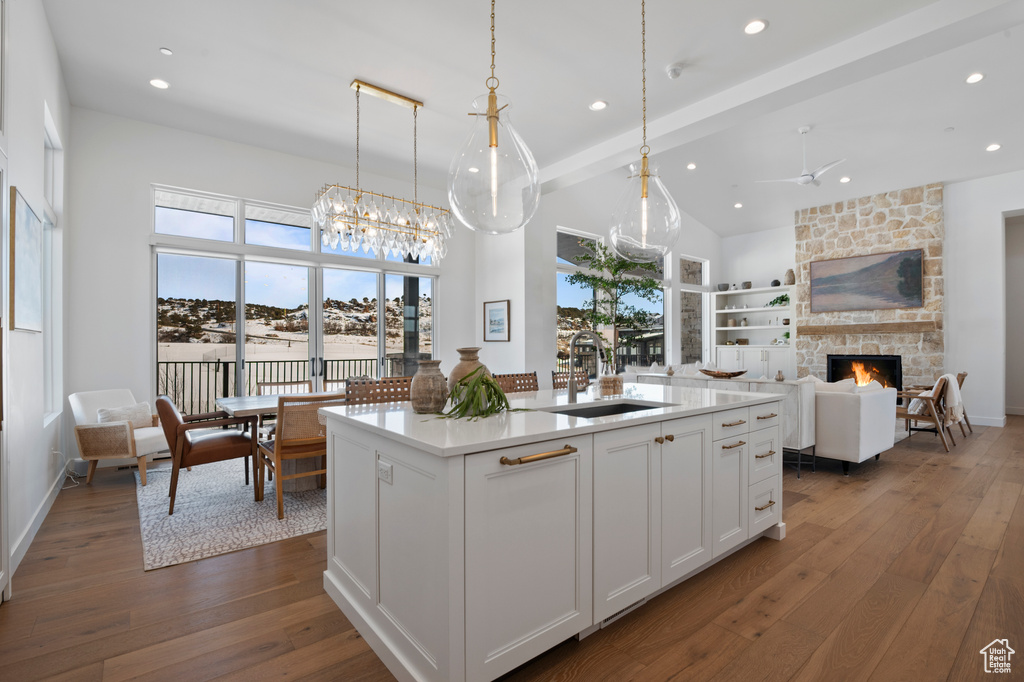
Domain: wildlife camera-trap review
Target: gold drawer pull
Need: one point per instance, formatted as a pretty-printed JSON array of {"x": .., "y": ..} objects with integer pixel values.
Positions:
[
  {"x": 567, "y": 450},
  {"x": 767, "y": 454},
  {"x": 661, "y": 439},
  {"x": 739, "y": 423},
  {"x": 771, "y": 503},
  {"x": 734, "y": 445},
  {"x": 769, "y": 416}
]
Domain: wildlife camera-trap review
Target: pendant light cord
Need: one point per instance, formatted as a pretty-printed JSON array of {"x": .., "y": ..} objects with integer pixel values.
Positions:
[
  {"x": 492, "y": 38},
  {"x": 357, "y": 139},
  {"x": 644, "y": 150},
  {"x": 415, "y": 163}
]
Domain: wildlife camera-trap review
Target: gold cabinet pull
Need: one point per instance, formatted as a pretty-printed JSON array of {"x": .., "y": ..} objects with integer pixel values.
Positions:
[
  {"x": 734, "y": 445},
  {"x": 567, "y": 450},
  {"x": 739, "y": 423},
  {"x": 767, "y": 454},
  {"x": 659, "y": 440},
  {"x": 771, "y": 503},
  {"x": 670, "y": 438},
  {"x": 769, "y": 416}
]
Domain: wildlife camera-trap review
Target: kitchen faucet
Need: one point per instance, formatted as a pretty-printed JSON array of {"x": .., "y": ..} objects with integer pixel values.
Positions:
[{"x": 572, "y": 359}]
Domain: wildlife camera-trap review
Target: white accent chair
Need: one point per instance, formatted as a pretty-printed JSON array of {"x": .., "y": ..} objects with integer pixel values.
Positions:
[
  {"x": 114, "y": 439},
  {"x": 853, "y": 424}
]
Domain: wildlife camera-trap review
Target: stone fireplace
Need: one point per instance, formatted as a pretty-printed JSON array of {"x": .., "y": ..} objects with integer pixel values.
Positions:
[{"x": 894, "y": 221}]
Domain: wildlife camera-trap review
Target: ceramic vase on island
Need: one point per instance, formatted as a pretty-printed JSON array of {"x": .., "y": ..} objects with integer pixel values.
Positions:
[
  {"x": 468, "y": 361},
  {"x": 428, "y": 391}
]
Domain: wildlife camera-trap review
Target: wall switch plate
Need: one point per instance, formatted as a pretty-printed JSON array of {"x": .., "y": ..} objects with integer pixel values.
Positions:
[{"x": 384, "y": 472}]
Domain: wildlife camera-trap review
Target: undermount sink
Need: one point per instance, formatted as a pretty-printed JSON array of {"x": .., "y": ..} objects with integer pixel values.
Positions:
[{"x": 604, "y": 409}]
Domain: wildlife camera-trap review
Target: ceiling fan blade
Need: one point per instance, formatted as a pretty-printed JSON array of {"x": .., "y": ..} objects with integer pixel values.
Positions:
[
  {"x": 816, "y": 182},
  {"x": 818, "y": 172},
  {"x": 796, "y": 180}
]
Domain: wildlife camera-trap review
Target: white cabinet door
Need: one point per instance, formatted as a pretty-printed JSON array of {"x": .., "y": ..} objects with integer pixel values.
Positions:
[
  {"x": 627, "y": 519},
  {"x": 686, "y": 540},
  {"x": 779, "y": 359},
  {"x": 728, "y": 359},
  {"x": 729, "y": 491},
  {"x": 752, "y": 360},
  {"x": 528, "y": 553}
]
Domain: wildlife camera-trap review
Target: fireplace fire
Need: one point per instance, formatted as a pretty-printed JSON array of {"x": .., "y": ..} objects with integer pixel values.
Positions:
[{"x": 885, "y": 369}]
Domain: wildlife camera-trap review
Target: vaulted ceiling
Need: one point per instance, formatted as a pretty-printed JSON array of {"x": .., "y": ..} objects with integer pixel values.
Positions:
[{"x": 881, "y": 83}]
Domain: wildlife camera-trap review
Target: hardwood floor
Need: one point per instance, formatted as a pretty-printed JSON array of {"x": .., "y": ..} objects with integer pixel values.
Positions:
[{"x": 902, "y": 571}]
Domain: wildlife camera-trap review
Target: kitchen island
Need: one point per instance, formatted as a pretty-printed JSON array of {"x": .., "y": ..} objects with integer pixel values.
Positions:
[{"x": 461, "y": 549}]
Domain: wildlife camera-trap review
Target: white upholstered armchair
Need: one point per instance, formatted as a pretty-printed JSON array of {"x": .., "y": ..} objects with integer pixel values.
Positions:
[{"x": 111, "y": 425}]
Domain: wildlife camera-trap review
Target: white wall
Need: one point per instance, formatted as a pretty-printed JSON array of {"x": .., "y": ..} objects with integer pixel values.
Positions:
[
  {"x": 976, "y": 294},
  {"x": 1014, "y": 315},
  {"x": 758, "y": 258},
  {"x": 33, "y": 80},
  {"x": 111, "y": 306}
]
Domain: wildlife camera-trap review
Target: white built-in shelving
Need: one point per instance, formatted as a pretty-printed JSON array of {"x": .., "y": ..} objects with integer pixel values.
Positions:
[{"x": 758, "y": 339}]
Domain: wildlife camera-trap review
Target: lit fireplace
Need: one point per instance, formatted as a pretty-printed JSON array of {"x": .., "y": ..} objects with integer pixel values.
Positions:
[{"x": 885, "y": 369}]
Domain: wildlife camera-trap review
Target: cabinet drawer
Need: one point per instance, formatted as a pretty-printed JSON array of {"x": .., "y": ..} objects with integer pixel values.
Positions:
[
  {"x": 765, "y": 500},
  {"x": 765, "y": 454},
  {"x": 730, "y": 423},
  {"x": 763, "y": 416}
]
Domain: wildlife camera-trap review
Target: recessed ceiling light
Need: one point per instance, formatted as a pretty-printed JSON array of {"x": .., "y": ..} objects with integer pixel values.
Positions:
[
  {"x": 167, "y": 51},
  {"x": 845, "y": 179},
  {"x": 975, "y": 77},
  {"x": 737, "y": 205},
  {"x": 755, "y": 26},
  {"x": 992, "y": 147},
  {"x": 950, "y": 129},
  {"x": 691, "y": 166},
  {"x": 474, "y": 169},
  {"x": 158, "y": 83},
  {"x": 598, "y": 105}
]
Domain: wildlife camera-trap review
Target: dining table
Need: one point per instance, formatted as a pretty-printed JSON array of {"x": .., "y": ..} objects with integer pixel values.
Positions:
[{"x": 265, "y": 406}]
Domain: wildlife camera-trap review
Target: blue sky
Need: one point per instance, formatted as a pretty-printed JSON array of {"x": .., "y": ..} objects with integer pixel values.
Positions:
[{"x": 575, "y": 297}]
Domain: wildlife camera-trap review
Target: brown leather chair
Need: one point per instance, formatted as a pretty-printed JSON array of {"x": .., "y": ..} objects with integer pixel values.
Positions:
[
  {"x": 188, "y": 449},
  {"x": 561, "y": 379}
]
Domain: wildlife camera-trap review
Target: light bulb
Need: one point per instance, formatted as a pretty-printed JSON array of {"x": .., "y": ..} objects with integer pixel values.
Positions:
[
  {"x": 644, "y": 228},
  {"x": 493, "y": 182}
]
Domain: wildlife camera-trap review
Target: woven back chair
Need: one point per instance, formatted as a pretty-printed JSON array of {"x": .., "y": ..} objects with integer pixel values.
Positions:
[
  {"x": 283, "y": 387},
  {"x": 300, "y": 434},
  {"x": 516, "y": 383},
  {"x": 386, "y": 390},
  {"x": 561, "y": 379}
]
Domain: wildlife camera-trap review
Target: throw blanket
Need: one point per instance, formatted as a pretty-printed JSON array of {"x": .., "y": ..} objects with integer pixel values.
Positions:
[{"x": 954, "y": 405}]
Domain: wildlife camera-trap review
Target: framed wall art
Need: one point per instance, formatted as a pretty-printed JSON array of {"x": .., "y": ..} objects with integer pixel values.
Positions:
[
  {"x": 26, "y": 266},
  {"x": 876, "y": 282},
  {"x": 496, "y": 322}
]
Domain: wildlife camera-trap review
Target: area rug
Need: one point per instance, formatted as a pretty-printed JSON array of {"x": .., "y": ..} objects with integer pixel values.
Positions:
[{"x": 214, "y": 513}]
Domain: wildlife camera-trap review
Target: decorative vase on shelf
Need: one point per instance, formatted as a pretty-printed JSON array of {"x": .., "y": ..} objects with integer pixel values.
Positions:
[
  {"x": 743, "y": 322},
  {"x": 468, "y": 361},
  {"x": 747, "y": 285},
  {"x": 429, "y": 389},
  {"x": 790, "y": 277},
  {"x": 779, "y": 377}
]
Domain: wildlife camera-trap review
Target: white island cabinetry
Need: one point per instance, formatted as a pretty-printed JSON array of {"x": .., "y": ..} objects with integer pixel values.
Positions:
[{"x": 460, "y": 550}]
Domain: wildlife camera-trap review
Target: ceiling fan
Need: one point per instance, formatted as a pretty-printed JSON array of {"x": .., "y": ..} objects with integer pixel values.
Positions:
[{"x": 808, "y": 178}]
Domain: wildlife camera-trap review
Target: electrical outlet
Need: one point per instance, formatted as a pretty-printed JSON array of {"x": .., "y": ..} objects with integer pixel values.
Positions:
[{"x": 384, "y": 472}]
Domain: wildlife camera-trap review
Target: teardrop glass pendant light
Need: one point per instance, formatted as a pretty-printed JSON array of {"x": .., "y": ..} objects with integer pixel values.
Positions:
[
  {"x": 493, "y": 182},
  {"x": 645, "y": 223}
]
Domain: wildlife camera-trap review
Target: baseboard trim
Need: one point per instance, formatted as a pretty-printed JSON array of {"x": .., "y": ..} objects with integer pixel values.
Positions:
[
  {"x": 1015, "y": 410},
  {"x": 990, "y": 421},
  {"x": 21, "y": 545}
]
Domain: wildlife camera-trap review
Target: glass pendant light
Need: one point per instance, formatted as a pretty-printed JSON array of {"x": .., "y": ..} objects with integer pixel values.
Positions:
[
  {"x": 493, "y": 182},
  {"x": 645, "y": 223}
]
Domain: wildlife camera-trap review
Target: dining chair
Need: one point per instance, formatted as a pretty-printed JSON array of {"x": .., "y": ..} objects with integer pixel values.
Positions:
[
  {"x": 928, "y": 407},
  {"x": 960, "y": 384},
  {"x": 384, "y": 390},
  {"x": 283, "y": 387},
  {"x": 561, "y": 379},
  {"x": 217, "y": 444},
  {"x": 301, "y": 434},
  {"x": 517, "y": 383}
]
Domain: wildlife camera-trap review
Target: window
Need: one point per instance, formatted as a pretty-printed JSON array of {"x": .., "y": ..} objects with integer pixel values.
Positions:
[
  {"x": 692, "y": 274},
  {"x": 303, "y": 311},
  {"x": 572, "y": 301},
  {"x": 53, "y": 258}
]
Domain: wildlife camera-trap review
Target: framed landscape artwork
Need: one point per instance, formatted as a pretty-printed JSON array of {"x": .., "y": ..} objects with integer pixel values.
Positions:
[
  {"x": 496, "y": 321},
  {"x": 26, "y": 266},
  {"x": 876, "y": 282}
]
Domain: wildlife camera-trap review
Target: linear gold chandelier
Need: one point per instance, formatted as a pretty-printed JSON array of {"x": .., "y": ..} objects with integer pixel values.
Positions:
[{"x": 352, "y": 217}]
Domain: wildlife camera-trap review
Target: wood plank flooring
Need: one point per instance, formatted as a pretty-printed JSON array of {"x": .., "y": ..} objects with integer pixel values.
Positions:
[{"x": 902, "y": 571}]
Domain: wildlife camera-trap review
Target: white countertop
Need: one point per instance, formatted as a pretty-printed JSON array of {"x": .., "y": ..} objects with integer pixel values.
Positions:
[{"x": 449, "y": 437}]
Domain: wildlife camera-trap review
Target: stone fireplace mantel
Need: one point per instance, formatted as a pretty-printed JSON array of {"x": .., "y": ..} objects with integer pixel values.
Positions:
[{"x": 872, "y": 328}]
